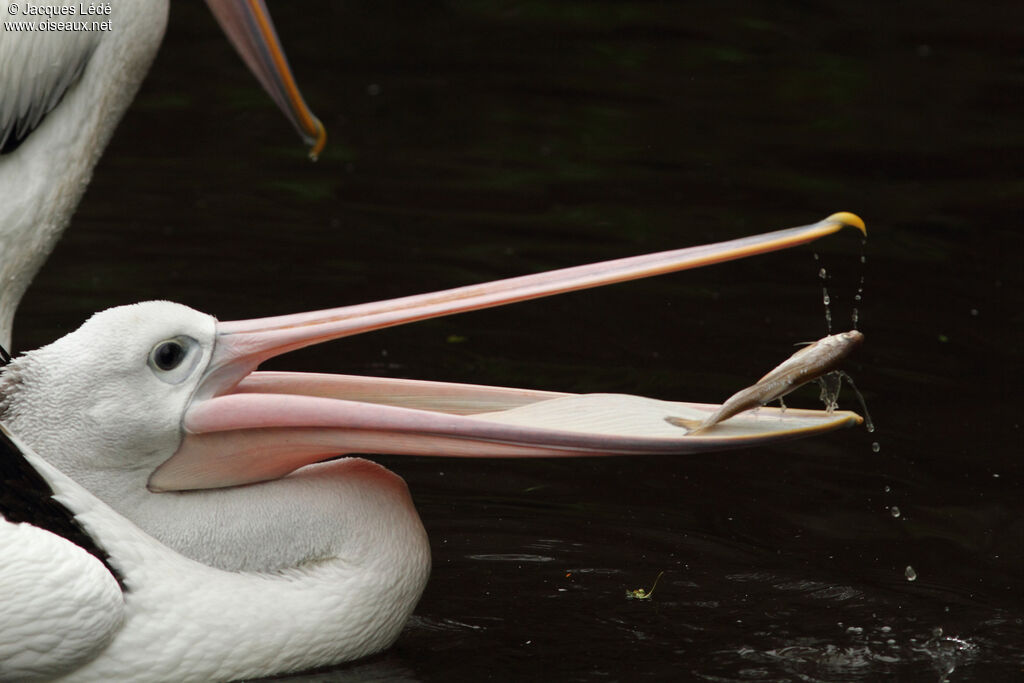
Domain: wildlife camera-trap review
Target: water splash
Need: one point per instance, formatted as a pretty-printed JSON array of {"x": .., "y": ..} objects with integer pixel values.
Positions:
[
  {"x": 830, "y": 385},
  {"x": 825, "y": 298},
  {"x": 859, "y": 296},
  {"x": 872, "y": 652}
]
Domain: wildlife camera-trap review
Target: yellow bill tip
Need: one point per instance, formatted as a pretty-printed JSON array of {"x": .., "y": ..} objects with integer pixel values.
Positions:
[
  {"x": 845, "y": 218},
  {"x": 320, "y": 140}
]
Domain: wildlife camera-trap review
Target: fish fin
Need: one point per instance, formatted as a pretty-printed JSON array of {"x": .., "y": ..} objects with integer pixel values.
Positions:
[{"x": 691, "y": 426}]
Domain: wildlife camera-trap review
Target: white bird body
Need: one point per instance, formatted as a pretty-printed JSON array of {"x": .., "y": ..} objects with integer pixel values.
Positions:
[
  {"x": 88, "y": 79},
  {"x": 181, "y": 620}
]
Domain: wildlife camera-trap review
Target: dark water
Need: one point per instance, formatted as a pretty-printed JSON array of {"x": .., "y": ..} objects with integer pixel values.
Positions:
[{"x": 478, "y": 139}]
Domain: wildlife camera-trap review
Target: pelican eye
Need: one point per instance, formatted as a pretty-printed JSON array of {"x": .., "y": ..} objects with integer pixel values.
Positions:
[
  {"x": 168, "y": 355},
  {"x": 172, "y": 360}
]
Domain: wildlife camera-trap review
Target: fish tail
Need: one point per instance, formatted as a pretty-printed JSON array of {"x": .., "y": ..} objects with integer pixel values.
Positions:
[{"x": 691, "y": 426}]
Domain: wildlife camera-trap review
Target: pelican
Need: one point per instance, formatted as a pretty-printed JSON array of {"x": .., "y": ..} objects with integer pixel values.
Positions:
[
  {"x": 224, "y": 537},
  {"x": 62, "y": 93}
]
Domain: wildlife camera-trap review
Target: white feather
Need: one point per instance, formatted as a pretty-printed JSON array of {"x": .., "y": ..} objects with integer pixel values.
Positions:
[
  {"x": 36, "y": 68},
  {"x": 60, "y": 605},
  {"x": 83, "y": 82},
  {"x": 181, "y": 620}
]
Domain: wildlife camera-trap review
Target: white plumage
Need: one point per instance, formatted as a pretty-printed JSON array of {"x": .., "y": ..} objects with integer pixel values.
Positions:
[
  {"x": 60, "y": 605},
  {"x": 76, "y": 86},
  {"x": 36, "y": 69},
  {"x": 180, "y": 620}
]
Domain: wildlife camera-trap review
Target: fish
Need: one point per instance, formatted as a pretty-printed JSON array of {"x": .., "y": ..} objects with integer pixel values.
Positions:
[{"x": 808, "y": 364}]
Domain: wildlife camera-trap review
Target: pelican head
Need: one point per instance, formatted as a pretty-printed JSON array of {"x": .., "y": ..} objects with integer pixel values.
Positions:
[
  {"x": 119, "y": 386},
  {"x": 106, "y": 405}
]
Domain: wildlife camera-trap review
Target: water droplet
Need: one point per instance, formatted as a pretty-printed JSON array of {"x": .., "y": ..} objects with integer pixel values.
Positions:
[
  {"x": 974, "y": 312},
  {"x": 937, "y": 632},
  {"x": 854, "y": 317},
  {"x": 910, "y": 573},
  {"x": 816, "y": 257},
  {"x": 826, "y": 299},
  {"x": 875, "y": 446},
  {"x": 894, "y": 511},
  {"x": 863, "y": 258},
  {"x": 888, "y": 489},
  {"x": 822, "y": 274},
  {"x": 857, "y": 297},
  {"x": 855, "y": 630}
]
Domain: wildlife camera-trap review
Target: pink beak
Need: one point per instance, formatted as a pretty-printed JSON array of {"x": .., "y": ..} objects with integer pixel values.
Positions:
[
  {"x": 250, "y": 29},
  {"x": 244, "y": 426}
]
